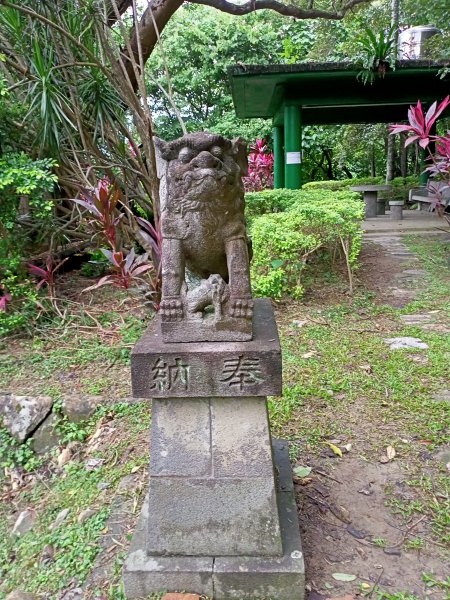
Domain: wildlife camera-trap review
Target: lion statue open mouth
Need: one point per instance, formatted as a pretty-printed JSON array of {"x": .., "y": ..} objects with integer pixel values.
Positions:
[{"x": 203, "y": 230}]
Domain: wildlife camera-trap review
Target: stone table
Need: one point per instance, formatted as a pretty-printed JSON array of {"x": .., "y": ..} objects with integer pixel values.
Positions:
[
  {"x": 370, "y": 193},
  {"x": 220, "y": 518}
]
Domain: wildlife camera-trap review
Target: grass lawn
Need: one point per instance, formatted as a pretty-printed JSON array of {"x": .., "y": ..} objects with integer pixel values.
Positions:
[{"x": 368, "y": 429}]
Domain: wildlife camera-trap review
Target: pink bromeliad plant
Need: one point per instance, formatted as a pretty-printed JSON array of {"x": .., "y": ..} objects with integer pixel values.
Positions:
[
  {"x": 260, "y": 168},
  {"x": 421, "y": 125}
]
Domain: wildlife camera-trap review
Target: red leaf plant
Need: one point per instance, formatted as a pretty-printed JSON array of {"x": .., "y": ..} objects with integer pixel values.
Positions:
[
  {"x": 127, "y": 269},
  {"x": 420, "y": 126},
  {"x": 46, "y": 276},
  {"x": 4, "y": 298},
  {"x": 260, "y": 168},
  {"x": 102, "y": 202}
]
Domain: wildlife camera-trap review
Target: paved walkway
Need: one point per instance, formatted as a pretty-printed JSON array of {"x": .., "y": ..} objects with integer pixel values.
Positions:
[{"x": 413, "y": 220}]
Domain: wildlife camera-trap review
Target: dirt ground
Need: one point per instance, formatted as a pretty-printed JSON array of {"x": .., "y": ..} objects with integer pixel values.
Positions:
[{"x": 347, "y": 524}]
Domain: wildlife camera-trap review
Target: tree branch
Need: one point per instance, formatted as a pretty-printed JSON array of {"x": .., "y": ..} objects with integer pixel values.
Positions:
[{"x": 288, "y": 10}]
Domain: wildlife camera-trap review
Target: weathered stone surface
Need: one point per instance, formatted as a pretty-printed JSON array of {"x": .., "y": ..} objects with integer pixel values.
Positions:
[
  {"x": 21, "y": 415},
  {"x": 24, "y": 523},
  {"x": 240, "y": 438},
  {"x": 144, "y": 574},
  {"x": 211, "y": 478},
  {"x": 162, "y": 370},
  {"x": 181, "y": 438},
  {"x": 399, "y": 343},
  {"x": 203, "y": 229},
  {"x": 46, "y": 437},
  {"x": 79, "y": 407},
  {"x": 194, "y": 517},
  {"x": 244, "y": 577},
  {"x": 278, "y": 578}
]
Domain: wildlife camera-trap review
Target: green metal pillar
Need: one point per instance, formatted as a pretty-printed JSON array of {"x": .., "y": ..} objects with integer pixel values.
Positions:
[
  {"x": 278, "y": 157},
  {"x": 293, "y": 147}
]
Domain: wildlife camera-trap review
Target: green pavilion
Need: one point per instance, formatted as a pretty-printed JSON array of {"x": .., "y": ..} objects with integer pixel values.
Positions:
[{"x": 328, "y": 93}]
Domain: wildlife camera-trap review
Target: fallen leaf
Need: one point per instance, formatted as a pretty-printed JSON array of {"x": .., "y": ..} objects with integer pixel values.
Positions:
[
  {"x": 335, "y": 449},
  {"x": 308, "y": 354},
  {"x": 390, "y": 452},
  {"x": 365, "y": 586},
  {"x": 135, "y": 469},
  {"x": 303, "y": 480},
  {"x": 343, "y": 576},
  {"x": 348, "y": 447},
  {"x": 329, "y": 586},
  {"x": 366, "y": 368},
  {"x": 302, "y": 471}
]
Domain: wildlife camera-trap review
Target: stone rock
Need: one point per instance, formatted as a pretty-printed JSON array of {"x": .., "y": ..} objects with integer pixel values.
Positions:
[
  {"x": 174, "y": 596},
  {"x": 85, "y": 515},
  {"x": 60, "y": 518},
  {"x": 442, "y": 396},
  {"x": 399, "y": 343},
  {"x": 46, "y": 437},
  {"x": 73, "y": 594},
  {"x": 443, "y": 455},
  {"x": 64, "y": 457},
  {"x": 22, "y": 414},
  {"x": 24, "y": 523},
  {"x": 78, "y": 407},
  {"x": 20, "y": 595}
]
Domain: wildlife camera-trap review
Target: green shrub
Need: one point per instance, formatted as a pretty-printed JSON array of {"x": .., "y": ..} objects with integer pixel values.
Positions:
[
  {"x": 282, "y": 242},
  {"x": 340, "y": 184}
]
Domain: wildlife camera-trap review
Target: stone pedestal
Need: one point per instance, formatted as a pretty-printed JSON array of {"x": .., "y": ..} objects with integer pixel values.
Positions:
[
  {"x": 381, "y": 206},
  {"x": 219, "y": 519},
  {"x": 396, "y": 209},
  {"x": 370, "y": 201}
]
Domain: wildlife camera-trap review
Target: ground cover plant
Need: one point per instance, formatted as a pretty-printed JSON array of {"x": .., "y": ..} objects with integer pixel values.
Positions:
[{"x": 353, "y": 410}]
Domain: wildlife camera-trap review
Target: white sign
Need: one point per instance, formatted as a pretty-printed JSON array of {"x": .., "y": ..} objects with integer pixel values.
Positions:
[{"x": 293, "y": 158}]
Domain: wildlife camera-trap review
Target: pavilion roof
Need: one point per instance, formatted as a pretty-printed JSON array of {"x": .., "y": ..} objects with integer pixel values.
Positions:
[{"x": 331, "y": 93}]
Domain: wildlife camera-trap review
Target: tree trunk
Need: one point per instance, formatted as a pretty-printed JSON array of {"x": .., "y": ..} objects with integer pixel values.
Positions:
[
  {"x": 390, "y": 158},
  {"x": 403, "y": 156},
  {"x": 144, "y": 37},
  {"x": 373, "y": 170}
]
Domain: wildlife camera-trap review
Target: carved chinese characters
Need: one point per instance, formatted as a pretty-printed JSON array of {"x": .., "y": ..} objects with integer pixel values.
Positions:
[{"x": 206, "y": 293}]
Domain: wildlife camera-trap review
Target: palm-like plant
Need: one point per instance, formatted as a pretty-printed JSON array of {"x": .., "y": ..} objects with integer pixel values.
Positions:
[{"x": 377, "y": 53}]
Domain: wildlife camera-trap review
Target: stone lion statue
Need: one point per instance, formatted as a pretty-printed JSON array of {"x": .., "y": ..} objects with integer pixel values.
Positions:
[{"x": 203, "y": 231}]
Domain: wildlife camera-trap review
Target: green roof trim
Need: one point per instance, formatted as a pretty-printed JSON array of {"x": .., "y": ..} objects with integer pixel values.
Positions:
[{"x": 330, "y": 92}]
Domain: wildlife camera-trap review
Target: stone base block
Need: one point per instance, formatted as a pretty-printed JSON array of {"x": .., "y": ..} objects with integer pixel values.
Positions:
[
  {"x": 212, "y": 483},
  {"x": 226, "y": 578}
]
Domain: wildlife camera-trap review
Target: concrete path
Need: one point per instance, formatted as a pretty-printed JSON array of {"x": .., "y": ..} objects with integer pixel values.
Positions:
[{"x": 413, "y": 221}]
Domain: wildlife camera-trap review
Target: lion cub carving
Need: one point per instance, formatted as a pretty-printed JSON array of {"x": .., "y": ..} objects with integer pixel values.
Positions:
[{"x": 203, "y": 232}]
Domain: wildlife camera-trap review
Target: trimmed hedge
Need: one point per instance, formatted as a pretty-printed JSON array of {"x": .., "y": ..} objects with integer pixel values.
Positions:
[
  {"x": 289, "y": 226},
  {"x": 400, "y": 185}
]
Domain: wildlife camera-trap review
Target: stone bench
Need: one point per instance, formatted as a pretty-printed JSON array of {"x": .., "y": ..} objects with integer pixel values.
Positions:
[{"x": 425, "y": 200}]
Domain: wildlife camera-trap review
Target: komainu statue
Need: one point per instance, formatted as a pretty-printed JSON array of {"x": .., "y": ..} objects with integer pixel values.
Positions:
[{"x": 206, "y": 293}]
